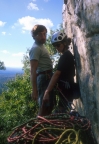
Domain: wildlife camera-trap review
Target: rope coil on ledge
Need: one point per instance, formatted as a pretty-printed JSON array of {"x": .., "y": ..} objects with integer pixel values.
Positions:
[{"x": 60, "y": 128}]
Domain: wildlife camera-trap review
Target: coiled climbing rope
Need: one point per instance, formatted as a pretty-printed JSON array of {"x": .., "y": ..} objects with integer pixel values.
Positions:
[{"x": 60, "y": 128}]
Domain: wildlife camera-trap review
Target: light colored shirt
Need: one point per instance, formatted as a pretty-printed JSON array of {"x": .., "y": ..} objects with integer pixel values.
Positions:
[{"x": 39, "y": 52}]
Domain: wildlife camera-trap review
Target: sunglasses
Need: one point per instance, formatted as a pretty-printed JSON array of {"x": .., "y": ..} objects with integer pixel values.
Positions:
[{"x": 57, "y": 45}]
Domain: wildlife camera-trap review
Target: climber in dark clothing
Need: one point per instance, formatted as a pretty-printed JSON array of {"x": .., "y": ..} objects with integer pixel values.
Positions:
[
  {"x": 65, "y": 72},
  {"x": 66, "y": 79}
]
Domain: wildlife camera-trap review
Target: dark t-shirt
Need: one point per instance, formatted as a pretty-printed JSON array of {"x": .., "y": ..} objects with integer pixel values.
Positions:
[{"x": 66, "y": 65}]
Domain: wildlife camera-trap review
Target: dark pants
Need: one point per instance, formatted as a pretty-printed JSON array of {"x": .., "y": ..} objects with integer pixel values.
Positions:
[{"x": 42, "y": 84}]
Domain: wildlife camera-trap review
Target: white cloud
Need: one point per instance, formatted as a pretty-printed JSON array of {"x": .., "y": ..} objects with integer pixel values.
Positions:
[
  {"x": 32, "y": 6},
  {"x": 28, "y": 22},
  {"x": 18, "y": 54},
  {"x": 5, "y": 51},
  {"x": 2, "y": 23},
  {"x": 3, "y": 33}
]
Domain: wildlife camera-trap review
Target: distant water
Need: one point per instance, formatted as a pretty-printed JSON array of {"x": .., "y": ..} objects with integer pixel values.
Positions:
[
  {"x": 8, "y": 74},
  {"x": 11, "y": 71}
]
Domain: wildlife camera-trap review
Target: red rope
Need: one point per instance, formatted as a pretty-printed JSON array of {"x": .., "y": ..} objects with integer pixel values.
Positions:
[{"x": 27, "y": 133}]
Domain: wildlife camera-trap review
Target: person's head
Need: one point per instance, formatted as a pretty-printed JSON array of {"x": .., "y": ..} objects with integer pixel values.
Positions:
[
  {"x": 39, "y": 33},
  {"x": 60, "y": 41}
]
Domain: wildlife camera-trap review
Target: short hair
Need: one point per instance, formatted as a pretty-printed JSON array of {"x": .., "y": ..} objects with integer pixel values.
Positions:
[{"x": 38, "y": 28}]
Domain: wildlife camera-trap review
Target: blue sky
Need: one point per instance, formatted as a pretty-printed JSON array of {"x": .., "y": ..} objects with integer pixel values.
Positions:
[{"x": 17, "y": 17}]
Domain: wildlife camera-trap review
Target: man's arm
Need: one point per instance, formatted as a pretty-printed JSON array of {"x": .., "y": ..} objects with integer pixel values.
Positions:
[
  {"x": 51, "y": 85},
  {"x": 34, "y": 65}
]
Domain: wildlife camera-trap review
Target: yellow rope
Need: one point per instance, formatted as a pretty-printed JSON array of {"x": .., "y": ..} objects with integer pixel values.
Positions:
[
  {"x": 43, "y": 130},
  {"x": 64, "y": 133}
]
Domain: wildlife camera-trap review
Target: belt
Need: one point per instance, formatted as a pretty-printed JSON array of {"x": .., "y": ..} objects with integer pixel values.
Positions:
[{"x": 44, "y": 72}]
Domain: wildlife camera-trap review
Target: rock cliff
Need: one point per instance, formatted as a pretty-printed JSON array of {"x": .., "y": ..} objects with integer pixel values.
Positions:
[{"x": 81, "y": 23}]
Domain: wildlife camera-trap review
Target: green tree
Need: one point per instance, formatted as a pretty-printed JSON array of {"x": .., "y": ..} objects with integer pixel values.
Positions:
[
  {"x": 16, "y": 105},
  {"x": 26, "y": 63},
  {"x": 2, "y": 66},
  {"x": 48, "y": 44}
]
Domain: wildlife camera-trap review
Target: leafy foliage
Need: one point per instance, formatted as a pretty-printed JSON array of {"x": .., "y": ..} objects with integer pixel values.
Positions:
[
  {"x": 48, "y": 44},
  {"x": 26, "y": 63},
  {"x": 16, "y": 106},
  {"x": 2, "y": 66}
]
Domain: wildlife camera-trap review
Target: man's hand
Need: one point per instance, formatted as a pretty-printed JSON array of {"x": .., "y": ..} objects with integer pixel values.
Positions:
[{"x": 34, "y": 95}]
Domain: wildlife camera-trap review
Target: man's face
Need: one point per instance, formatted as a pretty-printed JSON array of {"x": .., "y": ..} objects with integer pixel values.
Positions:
[{"x": 41, "y": 37}]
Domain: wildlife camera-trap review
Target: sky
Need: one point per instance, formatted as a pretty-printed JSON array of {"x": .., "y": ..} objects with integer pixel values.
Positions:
[{"x": 17, "y": 18}]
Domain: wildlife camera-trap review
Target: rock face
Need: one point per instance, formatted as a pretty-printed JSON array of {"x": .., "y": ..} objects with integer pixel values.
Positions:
[{"x": 81, "y": 23}]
